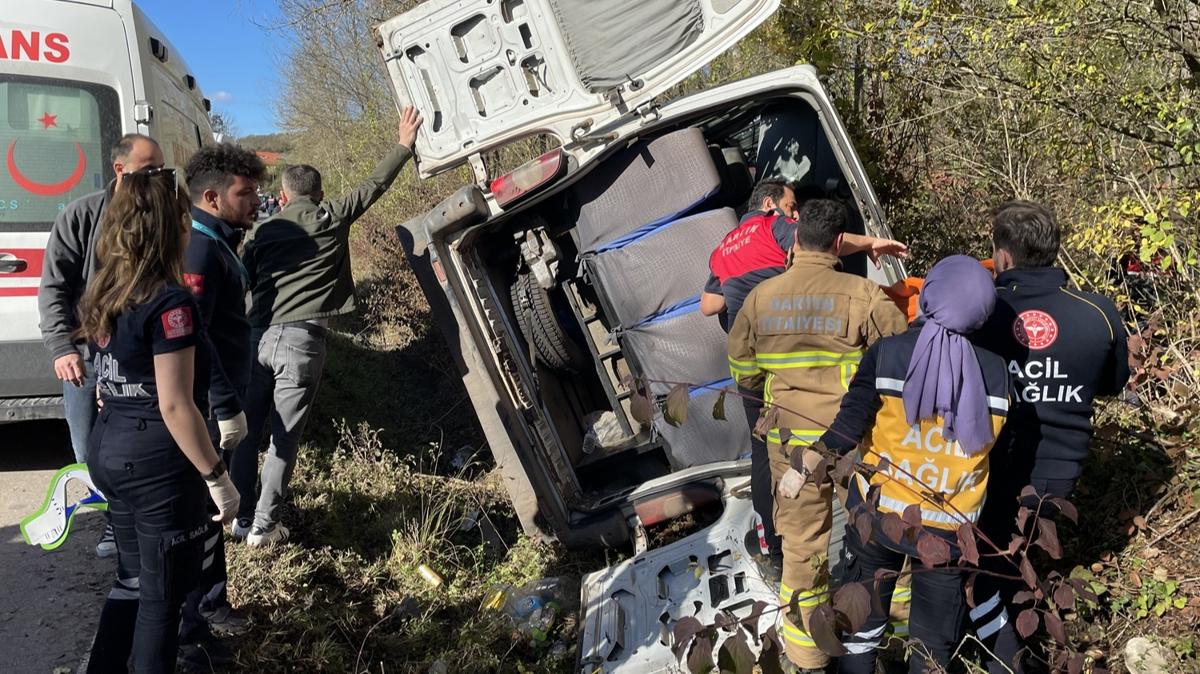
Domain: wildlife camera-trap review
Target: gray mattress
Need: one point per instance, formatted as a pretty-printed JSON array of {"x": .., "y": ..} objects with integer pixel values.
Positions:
[
  {"x": 663, "y": 268},
  {"x": 643, "y": 187},
  {"x": 682, "y": 346}
]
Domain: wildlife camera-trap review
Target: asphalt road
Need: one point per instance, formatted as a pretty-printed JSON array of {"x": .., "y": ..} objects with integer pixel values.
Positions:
[{"x": 49, "y": 601}]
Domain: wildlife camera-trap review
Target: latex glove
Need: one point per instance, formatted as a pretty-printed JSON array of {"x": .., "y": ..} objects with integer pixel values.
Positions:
[
  {"x": 233, "y": 431},
  {"x": 791, "y": 483},
  {"x": 225, "y": 495}
]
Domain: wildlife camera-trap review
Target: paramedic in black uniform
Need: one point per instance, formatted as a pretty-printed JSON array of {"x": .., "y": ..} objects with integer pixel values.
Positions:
[{"x": 149, "y": 452}]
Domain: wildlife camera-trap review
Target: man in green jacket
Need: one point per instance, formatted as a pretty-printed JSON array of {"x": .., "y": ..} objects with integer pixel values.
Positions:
[{"x": 299, "y": 269}]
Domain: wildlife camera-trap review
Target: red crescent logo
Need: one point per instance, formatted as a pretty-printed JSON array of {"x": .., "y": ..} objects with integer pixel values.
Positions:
[{"x": 45, "y": 189}]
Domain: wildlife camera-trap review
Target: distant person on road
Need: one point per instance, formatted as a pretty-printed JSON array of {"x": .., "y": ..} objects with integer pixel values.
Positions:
[
  {"x": 299, "y": 266},
  {"x": 150, "y": 452},
  {"x": 223, "y": 184},
  {"x": 70, "y": 262}
]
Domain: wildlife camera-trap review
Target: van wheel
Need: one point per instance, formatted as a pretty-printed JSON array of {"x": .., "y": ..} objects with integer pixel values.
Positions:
[{"x": 542, "y": 320}]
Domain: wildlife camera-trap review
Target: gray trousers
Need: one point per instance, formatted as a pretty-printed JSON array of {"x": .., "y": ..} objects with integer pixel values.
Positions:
[{"x": 287, "y": 368}]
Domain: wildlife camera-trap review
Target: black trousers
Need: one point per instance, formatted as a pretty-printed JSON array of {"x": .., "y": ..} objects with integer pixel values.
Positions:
[
  {"x": 762, "y": 490},
  {"x": 211, "y": 592},
  {"x": 991, "y": 619},
  {"x": 156, "y": 502},
  {"x": 937, "y": 613}
]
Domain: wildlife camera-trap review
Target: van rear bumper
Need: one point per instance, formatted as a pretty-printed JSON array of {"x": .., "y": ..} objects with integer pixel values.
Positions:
[{"x": 26, "y": 371}]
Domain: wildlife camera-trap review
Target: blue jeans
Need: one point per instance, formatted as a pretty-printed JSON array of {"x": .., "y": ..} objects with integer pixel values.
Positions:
[{"x": 80, "y": 405}]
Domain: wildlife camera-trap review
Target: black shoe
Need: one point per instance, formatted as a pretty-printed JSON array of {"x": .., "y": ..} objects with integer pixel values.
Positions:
[
  {"x": 203, "y": 656},
  {"x": 225, "y": 620}
]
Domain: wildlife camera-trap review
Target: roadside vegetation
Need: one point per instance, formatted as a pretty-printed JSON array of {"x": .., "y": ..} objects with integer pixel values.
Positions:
[{"x": 1091, "y": 107}]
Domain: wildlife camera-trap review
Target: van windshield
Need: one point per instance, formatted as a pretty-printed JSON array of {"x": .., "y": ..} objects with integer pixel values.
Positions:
[{"x": 55, "y": 136}]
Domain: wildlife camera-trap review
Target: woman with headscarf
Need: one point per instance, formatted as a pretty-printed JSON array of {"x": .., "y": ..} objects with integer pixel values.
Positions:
[{"x": 927, "y": 405}]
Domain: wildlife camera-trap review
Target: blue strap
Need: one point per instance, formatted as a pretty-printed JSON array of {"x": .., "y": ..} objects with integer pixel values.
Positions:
[{"x": 207, "y": 231}]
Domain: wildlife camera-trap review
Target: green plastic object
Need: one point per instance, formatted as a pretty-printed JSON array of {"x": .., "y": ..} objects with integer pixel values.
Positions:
[{"x": 51, "y": 524}]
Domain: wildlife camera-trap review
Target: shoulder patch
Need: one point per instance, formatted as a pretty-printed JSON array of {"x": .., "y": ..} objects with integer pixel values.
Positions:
[
  {"x": 1035, "y": 329},
  {"x": 177, "y": 322},
  {"x": 195, "y": 283}
]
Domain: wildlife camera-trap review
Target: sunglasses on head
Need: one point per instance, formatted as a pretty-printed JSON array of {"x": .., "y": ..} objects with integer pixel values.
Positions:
[{"x": 160, "y": 171}]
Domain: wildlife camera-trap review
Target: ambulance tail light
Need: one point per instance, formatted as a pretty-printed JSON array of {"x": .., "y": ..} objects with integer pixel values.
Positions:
[
  {"x": 527, "y": 178},
  {"x": 676, "y": 503}
]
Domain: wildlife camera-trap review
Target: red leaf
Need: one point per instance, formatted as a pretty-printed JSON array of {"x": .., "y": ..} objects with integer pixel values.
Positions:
[
  {"x": 682, "y": 634},
  {"x": 865, "y": 524},
  {"x": 700, "y": 660},
  {"x": 722, "y": 621},
  {"x": 933, "y": 550},
  {"x": 1064, "y": 597},
  {"x": 1054, "y": 626},
  {"x": 820, "y": 474},
  {"x": 1139, "y": 522},
  {"x": 1066, "y": 508},
  {"x": 768, "y": 419},
  {"x": 853, "y": 600},
  {"x": 969, "y": 553},
  {"x": 912, "y": 515},
  {"x": 892, "y": 526},
  {"x": 970, "y": 588},
  {"x": 1027, "y": 622},
  {"x": 1015, "y": 544},
  {"x": 1022, "y": 597},
  {"x": 844, "y": 468},
  {"x": 1028, "y": 574},
  {"x": 1075, "y": 663},
  {"x": 822, "y": 627},
  {"x": 640, "y": 409},
  {"x": 1023, "y": 514},
  {"x": 1047, "y": 537}
]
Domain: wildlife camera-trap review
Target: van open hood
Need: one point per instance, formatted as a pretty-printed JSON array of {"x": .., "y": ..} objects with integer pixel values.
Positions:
[{"x": 486, "y": 72}]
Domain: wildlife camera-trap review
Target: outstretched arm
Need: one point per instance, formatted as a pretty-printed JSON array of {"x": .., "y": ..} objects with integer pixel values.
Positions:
[{"x": 351, "y": 207}]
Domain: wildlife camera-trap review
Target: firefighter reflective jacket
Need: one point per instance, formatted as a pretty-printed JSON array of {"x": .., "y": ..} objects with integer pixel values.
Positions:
[
  {"x": 872, "y": 413},
  {"x": 799, "y": 338}
]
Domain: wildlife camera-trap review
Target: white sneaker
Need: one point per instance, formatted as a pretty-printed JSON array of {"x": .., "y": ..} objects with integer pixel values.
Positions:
[
  {"x": 107, "y": 547},
  {"x": 261, "y": 538},
  {"x": 241, "y": 528}
]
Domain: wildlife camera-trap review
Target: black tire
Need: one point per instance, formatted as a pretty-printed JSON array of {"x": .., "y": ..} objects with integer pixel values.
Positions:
[{"x": 540, "y": 323}]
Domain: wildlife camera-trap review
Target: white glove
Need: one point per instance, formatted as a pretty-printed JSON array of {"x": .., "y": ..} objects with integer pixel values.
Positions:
[
  {"x": 225, "y": 495},
  {"x": 233, "y": 431},
  {"x": 791, "y": 483}
]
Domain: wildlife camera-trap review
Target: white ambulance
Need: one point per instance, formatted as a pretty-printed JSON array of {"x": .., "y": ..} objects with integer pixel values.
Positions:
[{"x": 74, "y": 76}]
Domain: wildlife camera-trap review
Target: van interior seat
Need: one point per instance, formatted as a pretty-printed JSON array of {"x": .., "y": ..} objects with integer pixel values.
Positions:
[
  {"x": 736, "y": 180},
  {"x": 643, "y": 186}
]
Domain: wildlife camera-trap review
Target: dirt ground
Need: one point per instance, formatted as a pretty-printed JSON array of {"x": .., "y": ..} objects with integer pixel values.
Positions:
[{"x": 49, "y": 601}]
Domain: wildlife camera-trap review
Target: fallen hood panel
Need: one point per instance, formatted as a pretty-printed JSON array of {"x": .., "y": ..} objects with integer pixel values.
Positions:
[{"x": 486, "y": 72}]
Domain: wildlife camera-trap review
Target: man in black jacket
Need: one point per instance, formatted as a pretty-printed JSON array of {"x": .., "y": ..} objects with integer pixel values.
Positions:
[
  {"x": 223, "y": 184},
  {"x": 299, "y": 266},
  {"x": 1064, "y": 348}
]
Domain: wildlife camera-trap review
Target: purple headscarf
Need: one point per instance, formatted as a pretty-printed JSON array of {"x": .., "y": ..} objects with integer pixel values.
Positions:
[{"x": 944, "y": 376}]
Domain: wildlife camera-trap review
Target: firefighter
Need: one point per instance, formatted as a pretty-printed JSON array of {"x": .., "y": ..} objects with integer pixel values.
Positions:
[
  {"x": 933, "y": 402},
  {"x": 753, "y": 252},
  {"x": 797, "y": 339},
  {"x": 1064, "y": 348}
]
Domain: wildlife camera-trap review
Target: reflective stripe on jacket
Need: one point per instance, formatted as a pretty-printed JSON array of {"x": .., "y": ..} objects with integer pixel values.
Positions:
[{"x": 799, "y": 338}]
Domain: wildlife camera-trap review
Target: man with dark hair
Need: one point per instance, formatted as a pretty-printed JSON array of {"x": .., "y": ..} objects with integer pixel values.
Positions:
[
  {"x": 223, "y": 183},
  {"x": 755, "y": 251},
  {"x": 299, "y": 266},
  {"x": 69, "y": 262},
  {"x": 1064, "y": 347},
  {"x": 796, "y": 342}
]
